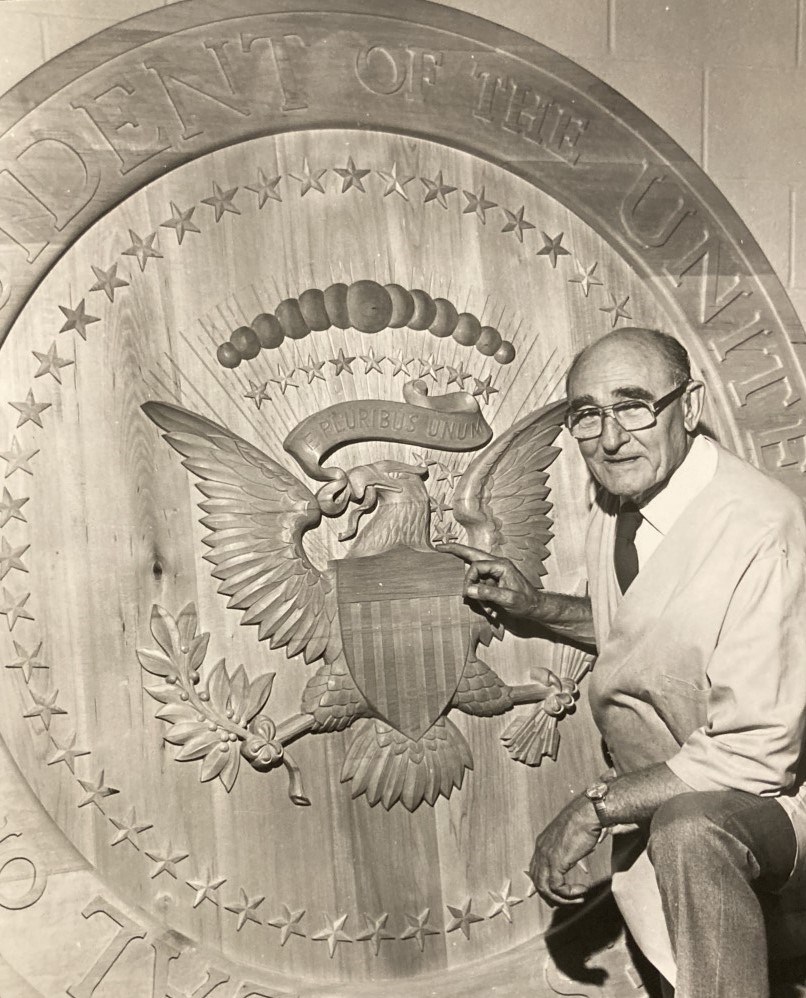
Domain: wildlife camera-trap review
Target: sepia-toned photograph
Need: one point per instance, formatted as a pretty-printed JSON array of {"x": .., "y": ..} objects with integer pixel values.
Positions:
[{"x": 402, "y": 479}]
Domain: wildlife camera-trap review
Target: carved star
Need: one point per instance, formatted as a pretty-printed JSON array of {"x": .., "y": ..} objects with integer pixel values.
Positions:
[
  {"x": 342, "y": 363},
  {"x": 166, "y": 861},
  {"x": 143, "y": 249},
  {"x": 531, "y": 890},
  {"x": 445, "y": 534},
  {"x": 313, "y": 370},
  {"x": 371, "y": 362},
  {"x": 245, "y": 909},
  {"x": 503, "y": 902},
  {"x": 462, "y": 918},
  {"x": 265, "y": 188},
  {"x": 27, "y": 661},
  {"x": 439, "y": 506},
  {"x": 351, "y": 177},
  {"x": 30, "y": 410},
  {"x": 401, "y": 365},
  {"x": 126, "y": 830},
  {"x": 616, "y": 310},
  {"x": 46, "y": 707},
  {"x": 484, "y": 388},
  {"x": 108, "y": 281},
  {"x": 221, "y": 200},
  {"x": 180, "y": 222},
  {"x": 437, "y": 190},
  {"x": 11, "y": 558},
  {"x": 421, "y": 457},
  {"x": 516, "y": 222},
  {"x": 11, "y": 508},
  {"x": 204, "y": 888},
  {"x": 478, "y": 205},
  {"x": 67, "y": 754},
  {"x": 77, "y": 319},
  {"x": 50, "y": 363},
  {"x": 96, "y": 791},
  {"x": 552, "y": 247},
  {"x": 375, "y": 931},
  {"x": 418, "y": 928},
  {"x": 333, "y": 932},
  {"x": 429, "y": 367},
  {"x": 586, "y": 279},
  {"x": 395, "y": 183},
  {"x": 453, "y": 476},
  {"x": 284, "y": 381},
  {"x": 309, "y": 180},
  {"x": 288, "y": 923},
  {"x": 13, "y": 607},
  {"x": 17, "y": 459},
  {"x": 257, "y": 392},
  {"x": 457, "y": 376}
]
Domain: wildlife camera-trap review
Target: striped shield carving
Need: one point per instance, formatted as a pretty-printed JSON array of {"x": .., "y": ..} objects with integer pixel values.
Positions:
[{"x": 406, "y": 632}]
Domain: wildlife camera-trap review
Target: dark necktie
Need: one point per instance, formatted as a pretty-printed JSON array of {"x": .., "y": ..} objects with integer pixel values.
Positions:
[{"x": 624, "y": 554}]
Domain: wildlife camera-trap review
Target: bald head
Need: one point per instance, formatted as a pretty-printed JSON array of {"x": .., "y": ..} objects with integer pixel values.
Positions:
[{"x": 670, "y": 352}]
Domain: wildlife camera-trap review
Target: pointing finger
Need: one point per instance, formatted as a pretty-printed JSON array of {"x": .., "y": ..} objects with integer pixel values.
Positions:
[{"x": 465, "y": 552}]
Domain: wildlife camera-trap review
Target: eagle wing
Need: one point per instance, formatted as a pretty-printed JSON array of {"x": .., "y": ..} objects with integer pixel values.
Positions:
[
  {"x": 257, "y": 512},
  {"x": 502, "y": 498}
]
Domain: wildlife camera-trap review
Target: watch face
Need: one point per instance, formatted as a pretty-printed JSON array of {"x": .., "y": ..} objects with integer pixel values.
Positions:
[{"x": 597, "y": 792}]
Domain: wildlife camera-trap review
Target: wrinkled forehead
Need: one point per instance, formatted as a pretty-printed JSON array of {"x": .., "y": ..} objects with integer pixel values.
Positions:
[{"x": 615, "y": 369}]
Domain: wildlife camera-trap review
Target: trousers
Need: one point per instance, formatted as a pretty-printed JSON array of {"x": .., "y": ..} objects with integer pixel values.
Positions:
[{"x": 718, "y": 859}]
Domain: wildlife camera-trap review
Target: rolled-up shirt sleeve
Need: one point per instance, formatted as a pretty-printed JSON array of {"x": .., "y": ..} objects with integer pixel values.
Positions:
[{"x": 756, "y": 707}]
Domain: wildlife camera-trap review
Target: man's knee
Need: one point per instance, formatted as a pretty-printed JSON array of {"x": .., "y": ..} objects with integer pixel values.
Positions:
[{"x": 686, "y": 829}]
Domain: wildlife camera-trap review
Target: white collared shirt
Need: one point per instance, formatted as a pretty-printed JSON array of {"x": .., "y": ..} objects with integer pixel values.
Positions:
[{"x": 663, "y": 509}]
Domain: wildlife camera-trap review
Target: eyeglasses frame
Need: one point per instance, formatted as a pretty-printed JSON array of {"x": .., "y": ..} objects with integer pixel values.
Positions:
[{"x": 656, "y": 408}]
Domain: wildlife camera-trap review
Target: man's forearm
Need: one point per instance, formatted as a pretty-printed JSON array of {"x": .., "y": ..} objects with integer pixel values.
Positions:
[
  {"x": 564, "y": 615},
  {"x": 636, "y": 796}
]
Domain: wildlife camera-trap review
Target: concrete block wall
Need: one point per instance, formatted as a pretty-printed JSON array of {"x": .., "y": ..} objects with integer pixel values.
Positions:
[{"x": 725, "y": 78}]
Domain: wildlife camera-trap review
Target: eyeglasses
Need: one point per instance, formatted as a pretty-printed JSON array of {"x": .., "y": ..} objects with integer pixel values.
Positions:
[{"x": 631, "y": 414}]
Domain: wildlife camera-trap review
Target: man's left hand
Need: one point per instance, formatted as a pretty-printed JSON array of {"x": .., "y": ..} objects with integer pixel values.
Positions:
[{"x": 572, "y": 835}]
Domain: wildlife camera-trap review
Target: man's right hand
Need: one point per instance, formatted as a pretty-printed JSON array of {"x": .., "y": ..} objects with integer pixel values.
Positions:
[{"x": 495, "y": 582}]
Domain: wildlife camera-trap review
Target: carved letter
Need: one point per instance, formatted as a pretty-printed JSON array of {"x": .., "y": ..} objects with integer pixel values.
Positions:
[
  {"x": 34, "y": 892},
  {"x": 248, "y": 990},
  {"x": 566, "y": 136},
  {"x": 129, "y": 931},
  {"x": 487, "y": 90},
  {"x": 708, "y": 254},
  {"x": 215, "y": 978},
  {"x": 131, "y": 142},
  {"x": 723, "y": 342},
  {"x": 742, "y": 390},
  {"x": 378, "y": 70},
  {"x": 788, "y": 444},
  {"x": 23, "y": 218},
  {"x": 189, "y": 86},
  {"x": 659, "y": 216},
  {"x": 423, "y": 67},
  {"x": 59, "y": 176},
  {"x": 295, "y": 97}
]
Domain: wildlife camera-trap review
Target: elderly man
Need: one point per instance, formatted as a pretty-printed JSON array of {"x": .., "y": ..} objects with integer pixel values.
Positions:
[{"x": 697, "y": 571}]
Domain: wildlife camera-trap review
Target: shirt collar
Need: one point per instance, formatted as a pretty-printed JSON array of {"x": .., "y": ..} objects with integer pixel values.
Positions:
[{"x": 696, "y": 471}]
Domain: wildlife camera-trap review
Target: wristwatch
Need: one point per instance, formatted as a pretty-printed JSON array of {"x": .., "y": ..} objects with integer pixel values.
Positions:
[{"x": 597, "y": 794}]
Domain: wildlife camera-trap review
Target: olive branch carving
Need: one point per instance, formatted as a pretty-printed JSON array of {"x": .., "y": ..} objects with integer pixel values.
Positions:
[{"x": 218, "y": 721}]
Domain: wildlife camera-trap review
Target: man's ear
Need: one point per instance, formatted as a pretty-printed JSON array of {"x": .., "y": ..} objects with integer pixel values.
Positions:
[{"x": 693, "y": 402}]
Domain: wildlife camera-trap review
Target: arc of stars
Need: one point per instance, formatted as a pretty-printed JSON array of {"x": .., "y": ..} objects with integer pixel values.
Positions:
[
  {"x": 166, "y": 861},
  {"x": 77, "y": 318},
  {"x": 401, "y": 364},
  {"x": 429, "y": 368},
  {"x": 288, "y": 924},
  {"x": 221, "y": 201},
  {"x": 313, "y": 369},
  {"x": 478, "y": 205},
  {"x": 11, "y": 558},
  {"x": 13, "y": 608},
  {"x": 342, "y": 363},
  {"x": 45, "y": 708},
  {"x": 516, "y": 222},
  {"x": 585, "y": 278},
  {"x": 617, "y": 309},
  {"x": 457, "y": 376},
  {"x": 245, "y": 909},
  {"x": 371, "y": 361},
  {"x": 503, "y": 902},
  {"x": 309, "y": 179},
  {"x": 108, "y": 281},
  {"x": 351, "y": 177},
  {"x": 552, "y": 247},
  {"x": 27, "y": 661},
  {"x": 180, "y": 221},
  {"x": 126, "y": 830},
  {"x": 437, "y": 190},
  {"x": 484, "y": 388},
  {"x": 418, "y": 928},
  {"x": 50, "y": 363},
  {"x": 265, "y": 188},
  {"x": 375, "y": 931},
  {"x": 142, "y": 248},
  {"x": 395, "y": 182},
  {"x": 206, "y": 887},
  {"x": 257, "y": 392},
  {"x": 67, "y": 754},
  {"x": 18, "y": 459},
  {"x": 284, "y": 381},
  {"x": 96, "y": 791},
  {"x": 333, "y": 932},
  {"x": 30, "y": 410},
  {"x": 462, "y": 917}
]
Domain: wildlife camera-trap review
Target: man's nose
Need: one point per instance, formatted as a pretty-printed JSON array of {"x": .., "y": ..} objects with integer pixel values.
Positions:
[{"x": 614, "y": 435}]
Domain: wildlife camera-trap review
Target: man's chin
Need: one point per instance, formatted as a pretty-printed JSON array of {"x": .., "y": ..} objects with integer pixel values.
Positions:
[{"x": 624, "y": 480}]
